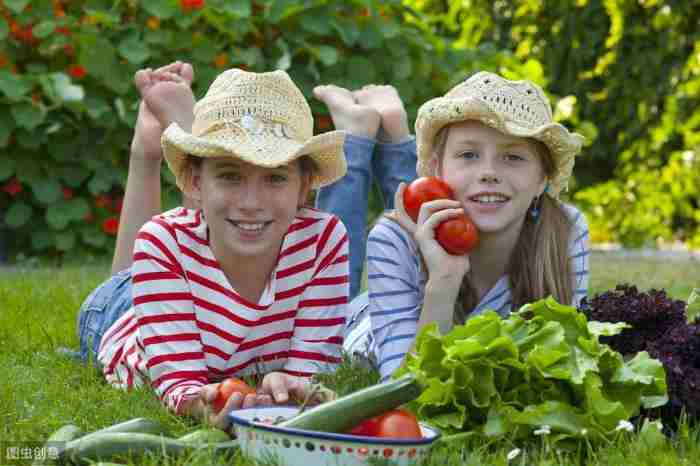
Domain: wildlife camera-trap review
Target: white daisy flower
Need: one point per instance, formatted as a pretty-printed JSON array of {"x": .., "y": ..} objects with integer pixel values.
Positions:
[
  {"x": 513, "y": 454},
  {"x": 543, "y": 430},
  {"x": 625, "y": 425}
]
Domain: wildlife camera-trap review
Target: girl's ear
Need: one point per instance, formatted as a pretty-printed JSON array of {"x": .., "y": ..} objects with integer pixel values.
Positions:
[
  {"x": 193, "y": 185},
  {"x": 304, "y": 190}
]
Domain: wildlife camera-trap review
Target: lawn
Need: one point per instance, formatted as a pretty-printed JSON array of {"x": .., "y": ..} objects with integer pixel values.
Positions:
[{"x": 41, "y": 391}]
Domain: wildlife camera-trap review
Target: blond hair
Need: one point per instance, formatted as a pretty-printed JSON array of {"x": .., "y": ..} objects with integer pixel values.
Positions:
[{"x": 539, "y": 264}]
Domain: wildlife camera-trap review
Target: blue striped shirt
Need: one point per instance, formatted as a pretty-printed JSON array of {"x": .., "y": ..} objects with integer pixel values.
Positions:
[{"x": 396, "y": 289}]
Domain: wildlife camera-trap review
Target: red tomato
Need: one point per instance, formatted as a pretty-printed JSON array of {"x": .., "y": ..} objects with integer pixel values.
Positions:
[
  {"x": 397, "y": 423},
  {"x": 423, "y": 190},
  {"x": 227, "y": 388},
  {"x": 458, "y": 236},
  {"x": 368, "y": 428}
]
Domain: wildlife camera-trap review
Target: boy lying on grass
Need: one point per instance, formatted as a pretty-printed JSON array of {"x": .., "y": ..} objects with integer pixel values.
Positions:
[{"x": 250, "y": 281}]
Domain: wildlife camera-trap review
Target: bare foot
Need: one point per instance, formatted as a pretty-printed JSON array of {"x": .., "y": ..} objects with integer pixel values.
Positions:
[
  {"x": 170, "y": 99},
  {"x": 387, "y": 102},
  {"x": 347, "y": 115},
  {"x": 145, "y": 145}
]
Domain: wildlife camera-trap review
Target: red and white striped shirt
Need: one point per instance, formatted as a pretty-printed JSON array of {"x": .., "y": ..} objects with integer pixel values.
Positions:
[{"x": 188, "y": 327}]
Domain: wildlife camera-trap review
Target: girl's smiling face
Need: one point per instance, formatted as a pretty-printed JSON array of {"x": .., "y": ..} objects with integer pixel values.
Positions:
[
  {"x": 248, "y": 208},
  {"x": 494, "y": 175}
]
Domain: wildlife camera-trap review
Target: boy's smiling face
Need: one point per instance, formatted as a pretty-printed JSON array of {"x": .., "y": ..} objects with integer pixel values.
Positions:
[
  {"x": 494, "y": 175},
  {"x": 248, "y": 208}
]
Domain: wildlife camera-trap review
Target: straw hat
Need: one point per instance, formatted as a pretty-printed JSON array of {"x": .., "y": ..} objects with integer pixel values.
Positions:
[
  {"x": 260, "y": 118},
  {"x": 517, "y": 108}
]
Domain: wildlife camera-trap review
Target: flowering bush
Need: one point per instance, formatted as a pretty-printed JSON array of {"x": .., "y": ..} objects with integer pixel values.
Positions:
[{"x": 69, "y": 105}]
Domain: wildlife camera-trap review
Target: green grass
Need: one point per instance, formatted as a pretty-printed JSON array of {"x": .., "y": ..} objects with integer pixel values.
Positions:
[{"x": 41, "y": 391}]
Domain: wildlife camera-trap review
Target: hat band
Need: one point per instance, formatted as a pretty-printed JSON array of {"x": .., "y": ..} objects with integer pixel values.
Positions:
[{"x": 253, "y": 127}]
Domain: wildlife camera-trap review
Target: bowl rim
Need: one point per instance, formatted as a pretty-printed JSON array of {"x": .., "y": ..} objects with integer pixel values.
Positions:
[{"x": 237, "y": 420}]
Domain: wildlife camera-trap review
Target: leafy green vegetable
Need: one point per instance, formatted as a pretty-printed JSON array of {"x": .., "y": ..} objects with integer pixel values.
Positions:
[{"x": 542, "y": 366}]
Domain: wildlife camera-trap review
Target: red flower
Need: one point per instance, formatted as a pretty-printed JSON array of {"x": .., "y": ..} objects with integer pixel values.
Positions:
[
  {"x": 77, "y": 71},
  {"x": 221, "y": 60},
  {"x": 189, "y": 5},
  {"x": 65, "y": 30},
  {"x": 13, "y": 187},
  {"x": 103, "y": 201},
  {"x": 323, "y": 122},
  {"x": 117, "y": 205},
  {"x": 111, "y": 225},
  {"x": 67, "y": 193}
]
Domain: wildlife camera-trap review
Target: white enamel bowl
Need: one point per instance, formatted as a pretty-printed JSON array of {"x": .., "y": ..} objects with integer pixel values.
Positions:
[{"x": 261, "y": 440}]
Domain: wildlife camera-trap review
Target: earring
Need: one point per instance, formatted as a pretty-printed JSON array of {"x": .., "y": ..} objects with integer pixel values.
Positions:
[
  {"x": 535, "y": 210},
  {"x": 535, "y": 207}
]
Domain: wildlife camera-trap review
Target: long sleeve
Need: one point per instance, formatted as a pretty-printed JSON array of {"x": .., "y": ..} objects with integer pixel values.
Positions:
[
  {"x": 579, "y": 254},
  {"x": 348, "y": 199},
  {"x": 164, "y": 313},
  {"x": 318, "y": 327},
  {"x": 394, "y": 163},
  {"x": 395, "y": 293}
]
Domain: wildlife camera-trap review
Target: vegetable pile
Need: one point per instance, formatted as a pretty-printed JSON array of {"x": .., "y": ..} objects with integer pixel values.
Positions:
[
  {"x": 542, "y": 366},
  {"x": 135, "y": 437},
  {"x": 664, "y": 328}
]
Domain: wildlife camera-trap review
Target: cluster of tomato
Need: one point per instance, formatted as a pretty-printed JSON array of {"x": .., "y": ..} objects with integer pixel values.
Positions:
[
  {"x": 397, "y": 423},
  {"x": 459, "y": 235}
]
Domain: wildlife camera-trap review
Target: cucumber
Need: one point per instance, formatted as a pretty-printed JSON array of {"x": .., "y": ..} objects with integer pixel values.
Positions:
[
  {"x": 224, "y": 448},
  {"x": 346, "y": 412},
  {"x": 205, "y": 436},
  {"x": 139, "y": 425},
  {"x": 107, "y": 445},
  {"x": 59, "y": 438}
]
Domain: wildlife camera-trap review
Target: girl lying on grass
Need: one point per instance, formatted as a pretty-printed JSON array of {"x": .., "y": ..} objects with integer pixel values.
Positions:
[
  {"x": 494, "y": 143},
  {"x": 249, "y": 282}
]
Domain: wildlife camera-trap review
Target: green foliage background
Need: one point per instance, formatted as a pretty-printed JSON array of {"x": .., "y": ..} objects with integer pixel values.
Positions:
[{"x": 624, "y": 73}]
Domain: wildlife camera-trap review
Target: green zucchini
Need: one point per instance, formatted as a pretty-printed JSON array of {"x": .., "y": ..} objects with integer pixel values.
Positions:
[
  {"x": 108, "y": 445},
  {"x": 140, "y": 425},
  {"x": 227, "y": 448},
  {"x": 59, "y": 438},
  {"x": 346, "y": 412},
  {"x": 205, "y": 436}
]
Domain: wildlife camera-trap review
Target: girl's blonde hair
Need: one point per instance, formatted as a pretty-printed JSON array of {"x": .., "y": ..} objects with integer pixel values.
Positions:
[{"x": 539, "y": 265}]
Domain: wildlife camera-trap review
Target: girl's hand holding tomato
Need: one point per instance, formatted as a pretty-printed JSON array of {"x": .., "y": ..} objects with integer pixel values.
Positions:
[
  {"x": 440, "y": 263},
  {"x": 458, "y": 236}
]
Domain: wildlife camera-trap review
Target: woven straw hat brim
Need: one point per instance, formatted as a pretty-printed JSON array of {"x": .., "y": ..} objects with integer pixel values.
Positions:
[
  {"x": 326, "y": 150},
  {"x": 440, "y": 112}
]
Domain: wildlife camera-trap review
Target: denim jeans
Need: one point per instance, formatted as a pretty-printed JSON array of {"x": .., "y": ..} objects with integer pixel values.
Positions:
[
  {"x": 107, "y": 303},
  {"x": 367, "y": 159}
]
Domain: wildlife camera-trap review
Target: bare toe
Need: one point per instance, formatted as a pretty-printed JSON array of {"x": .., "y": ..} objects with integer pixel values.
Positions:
[{"x": 143, "y": 80}]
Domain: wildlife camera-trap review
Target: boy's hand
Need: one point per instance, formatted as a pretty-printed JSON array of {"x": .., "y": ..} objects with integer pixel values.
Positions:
[
  {"x": 220, "y": 420},
  {"x": 284, "y": 388}
]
